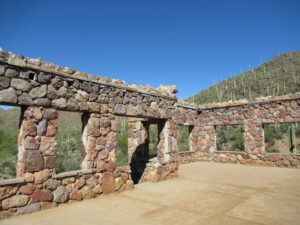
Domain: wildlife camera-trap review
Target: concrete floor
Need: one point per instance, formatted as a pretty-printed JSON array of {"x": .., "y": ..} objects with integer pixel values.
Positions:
[{"x": 204, "y": 193}]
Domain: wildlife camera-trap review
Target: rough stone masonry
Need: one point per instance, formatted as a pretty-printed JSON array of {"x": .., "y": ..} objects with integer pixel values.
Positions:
[{"x": 42, "y": 88}]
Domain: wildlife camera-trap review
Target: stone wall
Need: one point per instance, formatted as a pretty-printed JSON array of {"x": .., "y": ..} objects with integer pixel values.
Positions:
[
  {"x": 32, "y": 82},
  {"x": 40, "y": 88},
  {"x": 39, "y": 187},
  {"x": 44, "y": 191},
  {"x": 252, "y": 114},
  {"x": 266, "y": 159}
]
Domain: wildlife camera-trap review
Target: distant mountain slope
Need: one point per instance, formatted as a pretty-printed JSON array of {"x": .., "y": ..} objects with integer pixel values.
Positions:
[
  {"x": 10, "y": 118},
  {"x": 278, "y": 76}
]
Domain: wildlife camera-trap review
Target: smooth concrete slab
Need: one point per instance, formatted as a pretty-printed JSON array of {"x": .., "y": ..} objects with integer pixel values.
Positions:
[{"x": 204, "y": 193}]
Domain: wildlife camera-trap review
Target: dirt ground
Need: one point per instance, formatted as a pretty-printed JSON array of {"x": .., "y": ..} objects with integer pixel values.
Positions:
[{"x": 204, "y": 193}]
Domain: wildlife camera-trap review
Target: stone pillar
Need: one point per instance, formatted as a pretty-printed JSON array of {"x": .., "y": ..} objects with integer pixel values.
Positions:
[
  {"x": 138, "y": 139},
  {"x": 36, "y": 142},
  {"x": 99, "y": 141},
  {"x": 194, "y": 139},
  {"x": 207, "y": 139},
  {"x": 254, "y": 138},
  {"x": 167, "y": 150}
]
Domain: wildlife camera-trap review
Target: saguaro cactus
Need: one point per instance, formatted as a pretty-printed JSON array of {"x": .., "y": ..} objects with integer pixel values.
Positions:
[{"x": 293, "y": 139}]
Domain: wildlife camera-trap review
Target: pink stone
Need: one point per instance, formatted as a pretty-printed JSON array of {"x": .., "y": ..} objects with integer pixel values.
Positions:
[
  {"x": 75, "y": 196},
  {"x": 31, "y": 143},
  {"x": 27, "y": 189},
  {"x": 124, "y": 176},
  {"x": 48, "y": 146},
  {"x": 110, "y": 166},
  {"x": 108, "y": 181},
  {"x": 101, "y": 165},
  {"x": 273, "y": 158},
  {"x": 103, "y": 154},
  {"x": 282, "y": 113},
  {"x": 104, "y": 131},
  {"x": 51, "y": 128},
  {"x": 285, "y": 162},
  {"x": 49, "y": 162},
  {"x": 29, "y": 128},
  {"x": 101, "y": 141},
  {"x": 41, "y": 196},
  {"x": 79, "y": 183},
  {"x": 94, "y": 126},
  {"x": 91, "y": 145},
  {"x": 114, "y": 125}
]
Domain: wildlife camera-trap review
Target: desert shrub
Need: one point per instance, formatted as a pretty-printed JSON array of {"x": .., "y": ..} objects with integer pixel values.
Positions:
[
  {"x": 277, "y": 133},
  {"x": 8, "y": 151},
  {"x": 68, "y": 139},
  {"x": 68, "y": 150},
  {"x": 153, "y": 139},
  {"x": 183, "y": 138},
  {"x": 122, "y": 141},
  {"x": 230, "y": 138}
]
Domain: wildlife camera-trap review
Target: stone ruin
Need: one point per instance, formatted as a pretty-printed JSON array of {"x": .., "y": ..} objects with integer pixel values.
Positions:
[{"x": 42, "y": 88}]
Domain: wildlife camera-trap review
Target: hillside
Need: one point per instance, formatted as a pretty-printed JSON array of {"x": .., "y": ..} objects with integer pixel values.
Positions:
[{"x": 278, "y": 76}]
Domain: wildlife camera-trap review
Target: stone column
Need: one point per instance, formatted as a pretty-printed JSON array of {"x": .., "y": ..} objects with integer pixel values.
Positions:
[
  {"x": 138, "y": 139},
  {"x": 36, "y": 142},
  {"x": 207, "y": 139},
  {"x": 194, "y": 139},
  {"x": 254, "y": 138},
  {"x": 167, "y": 150},
  {"x": 99, "y": 145},
  {"x": 99, "y": 141}
]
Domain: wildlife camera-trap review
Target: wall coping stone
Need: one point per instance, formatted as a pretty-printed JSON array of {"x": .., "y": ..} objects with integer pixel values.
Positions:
[
  {"x": 238, "y": 152},
  {"x": 12, "y": 181},
  {"x": 187, "y": 152},
  {"x": 137, "y": 119},
  {"x": 72, "y": 174},
  {"x": 241, "y": 102},
  {"x": 40, "y": 65},
  {"x": 188, "y": 106}
]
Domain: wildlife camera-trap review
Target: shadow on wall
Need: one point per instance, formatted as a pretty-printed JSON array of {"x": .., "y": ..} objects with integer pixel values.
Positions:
[{"x": 139, "y": 161}]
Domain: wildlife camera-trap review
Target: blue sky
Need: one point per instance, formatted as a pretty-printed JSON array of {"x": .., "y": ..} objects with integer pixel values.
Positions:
[{"x": 190, "y": 44}]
